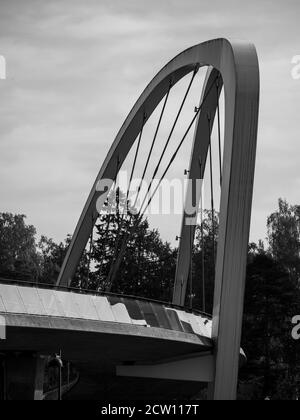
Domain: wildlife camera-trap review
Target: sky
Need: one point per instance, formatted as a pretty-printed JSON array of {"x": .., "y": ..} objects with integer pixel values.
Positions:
[{"x": 75, "y": 69}]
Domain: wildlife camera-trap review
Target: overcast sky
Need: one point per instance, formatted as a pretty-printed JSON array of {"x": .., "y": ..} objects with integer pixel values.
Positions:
[{"x": 75, "y": 68}]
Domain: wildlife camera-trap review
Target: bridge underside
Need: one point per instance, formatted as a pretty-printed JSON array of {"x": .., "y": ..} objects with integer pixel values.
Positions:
[
  {"x": 96, "y": 351},
  {"x": 114, "y": 342}
]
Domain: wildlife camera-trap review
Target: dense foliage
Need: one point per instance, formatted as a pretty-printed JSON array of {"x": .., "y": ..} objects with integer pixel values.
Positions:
[{"x": 147, "y": 268}]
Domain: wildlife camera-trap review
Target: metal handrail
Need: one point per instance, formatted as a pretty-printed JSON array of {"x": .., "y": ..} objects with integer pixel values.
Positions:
[{"x": 99, "y": 293}]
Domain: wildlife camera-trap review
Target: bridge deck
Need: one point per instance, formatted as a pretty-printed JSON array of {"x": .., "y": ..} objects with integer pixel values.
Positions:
[
  {"x": 113, "y": 309},
  {"x": 97, "y": 333}
]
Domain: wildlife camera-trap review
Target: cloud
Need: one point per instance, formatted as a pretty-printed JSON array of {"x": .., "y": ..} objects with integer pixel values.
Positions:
[{"x": 76, "y": 68}]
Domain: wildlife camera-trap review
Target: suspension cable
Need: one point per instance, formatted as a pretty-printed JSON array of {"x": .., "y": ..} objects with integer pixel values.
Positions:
[
  {"x": 219, "y": 132},
  {"x": 171, "y": 160},
  {"x": 142, "y": 211},
  {"x": 90, "y": 252},
  {"x": 202, "y": 245},
  {"x": 191, "y": 267},
  {"x": 153, "y": 141},
  {"x": 156, "y": 169},
  {"x": 135, "y": 158},
  {"x": 133, "y": 169},
  {"x": 170, "y": 135},
  {"x": 120, "y": 225},
  {"x": 203, "y": 260},
  {"x": 117, "y": 190},
  {"x": 113, "y": 191},
  {"x": 110, "y": 213},
  {"x": 212, "y": 191}
]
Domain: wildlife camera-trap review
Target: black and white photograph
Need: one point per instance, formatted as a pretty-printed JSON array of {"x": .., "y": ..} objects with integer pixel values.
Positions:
[{"x": 149, "y": 203}]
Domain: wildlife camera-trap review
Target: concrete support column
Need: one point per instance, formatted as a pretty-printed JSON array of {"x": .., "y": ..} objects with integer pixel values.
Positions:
[{"x": 25, "y": 374}]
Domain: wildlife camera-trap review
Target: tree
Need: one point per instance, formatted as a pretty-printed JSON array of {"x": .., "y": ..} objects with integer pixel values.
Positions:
[
  {"x": 18, "y": 254},
  {"x": 147, "y": 265},
  {"x": 284, "y": 237},
  {"x": 203, "y": 263},
  {"x": 271, "y": 301},
  {"x": 52, "y": 257}
]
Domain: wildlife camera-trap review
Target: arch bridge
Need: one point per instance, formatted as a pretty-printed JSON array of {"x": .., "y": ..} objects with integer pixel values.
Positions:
[{"x": 120, "y": 343}]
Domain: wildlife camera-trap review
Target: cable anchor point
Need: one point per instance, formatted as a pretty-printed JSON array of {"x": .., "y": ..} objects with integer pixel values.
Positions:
[{"x": 197, "y": 67}]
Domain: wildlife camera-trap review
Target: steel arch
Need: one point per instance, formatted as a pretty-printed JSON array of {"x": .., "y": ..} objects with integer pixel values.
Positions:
[{"x": 238, "y": 65}]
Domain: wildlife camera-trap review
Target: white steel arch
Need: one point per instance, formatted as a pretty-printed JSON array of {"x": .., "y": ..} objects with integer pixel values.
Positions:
[{"x": 237, "y": 64}]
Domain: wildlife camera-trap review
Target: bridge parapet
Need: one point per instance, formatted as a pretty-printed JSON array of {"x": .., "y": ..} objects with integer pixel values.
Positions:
[
  {"x": 47, "y": 301},
  {"x": 97, "y": 333}
]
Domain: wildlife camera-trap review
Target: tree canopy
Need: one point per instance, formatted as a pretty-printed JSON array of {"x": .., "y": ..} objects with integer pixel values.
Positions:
[
  {"x": 18, "y": 252},
  {"x": 145, "y": 266}
]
